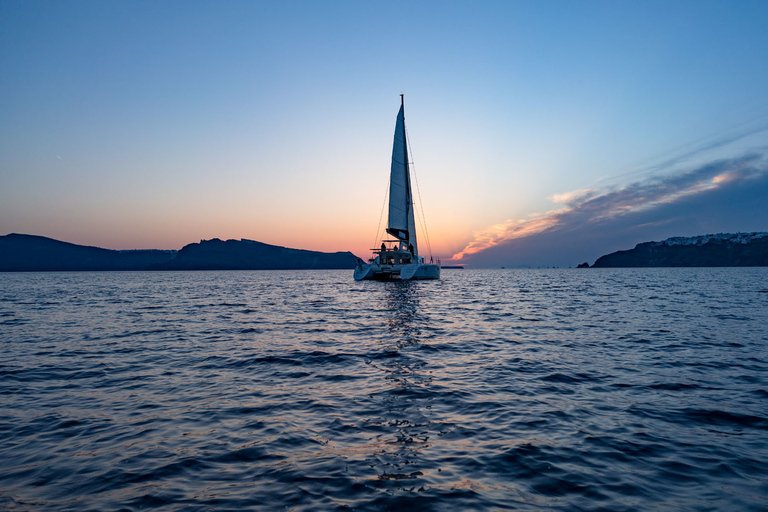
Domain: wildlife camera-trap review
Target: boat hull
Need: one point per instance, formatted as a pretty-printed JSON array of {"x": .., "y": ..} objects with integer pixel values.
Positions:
[{"x": 409, "y": 272}]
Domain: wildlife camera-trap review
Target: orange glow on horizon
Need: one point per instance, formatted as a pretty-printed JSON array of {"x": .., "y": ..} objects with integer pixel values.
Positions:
[{"x": 511, "y": 230}]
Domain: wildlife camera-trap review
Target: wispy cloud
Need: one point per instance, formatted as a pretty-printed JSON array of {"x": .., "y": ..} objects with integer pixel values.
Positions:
[
  {"x": 508, "y": 230},
  {"x": 702, "y": 147},
  {"x": 588, "y": 207},
  {"x": 576, "y": 195}
]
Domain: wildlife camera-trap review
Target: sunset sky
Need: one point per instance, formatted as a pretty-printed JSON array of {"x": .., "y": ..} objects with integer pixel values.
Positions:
[{"x": 542, "y": 132}]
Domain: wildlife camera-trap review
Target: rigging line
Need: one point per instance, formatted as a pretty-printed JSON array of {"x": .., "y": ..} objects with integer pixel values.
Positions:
[
  {"x": 424, "y": 232},
  {"x": 381, "y": 216},
  {"x": 421, "y": 208},
  {"x": 418, "y": 193}
]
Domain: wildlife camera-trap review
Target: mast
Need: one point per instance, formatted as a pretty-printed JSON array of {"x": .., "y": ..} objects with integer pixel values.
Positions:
[
  {"x": 401, "y": 215},
  {"x": 408, "y": 199}
]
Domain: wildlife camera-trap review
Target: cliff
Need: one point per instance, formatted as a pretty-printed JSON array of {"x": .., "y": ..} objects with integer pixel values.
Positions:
[
  {"x": 244, "y": 254},
  {"x": 29, "y": 253},
  {"x": 720, "y": 250}
]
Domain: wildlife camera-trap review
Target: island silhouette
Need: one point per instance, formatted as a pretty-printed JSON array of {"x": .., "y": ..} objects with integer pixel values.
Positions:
[
  {"x": 716, "y": 250},
  {"x": 32, "y": 253}
]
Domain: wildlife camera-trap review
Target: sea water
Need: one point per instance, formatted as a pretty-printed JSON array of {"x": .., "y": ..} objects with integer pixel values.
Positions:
[{"x": 593, "y": 389}]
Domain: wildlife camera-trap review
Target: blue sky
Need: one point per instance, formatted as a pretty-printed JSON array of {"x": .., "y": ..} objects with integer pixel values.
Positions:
[{"x": 156, "y": 124}]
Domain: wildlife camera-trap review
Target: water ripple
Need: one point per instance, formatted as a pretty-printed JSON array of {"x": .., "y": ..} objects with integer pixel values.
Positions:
[{"x": 500, "y": 390}]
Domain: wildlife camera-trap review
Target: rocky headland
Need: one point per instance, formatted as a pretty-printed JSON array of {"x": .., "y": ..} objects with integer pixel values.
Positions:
[
  {"x": 244, "y": 254},
  {"x": 718, "y": 250},
  {"x": 30, "y": 253}
]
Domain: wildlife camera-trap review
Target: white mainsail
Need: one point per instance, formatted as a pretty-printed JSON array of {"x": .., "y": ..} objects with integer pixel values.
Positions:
[{"x": 402, "y": 224}]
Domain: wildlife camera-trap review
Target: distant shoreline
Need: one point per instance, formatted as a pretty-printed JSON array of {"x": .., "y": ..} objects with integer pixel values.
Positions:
[
  {"x": 31, "y": 253},
  {"x": 715, "y": 250}
]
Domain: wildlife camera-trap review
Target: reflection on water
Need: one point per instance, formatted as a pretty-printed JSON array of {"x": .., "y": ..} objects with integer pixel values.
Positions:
[
  {"x": 485, "y": 390},
  {"x": 405, "y": 401},
  {"x": 402, "y": 304}
]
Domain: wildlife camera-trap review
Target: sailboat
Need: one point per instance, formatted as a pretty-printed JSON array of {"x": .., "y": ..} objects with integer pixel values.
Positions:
[{"x": 398, "y": 257}]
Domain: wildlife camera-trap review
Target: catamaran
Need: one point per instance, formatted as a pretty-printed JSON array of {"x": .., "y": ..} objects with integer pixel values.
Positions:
[{"x": 398, "y": 258}]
